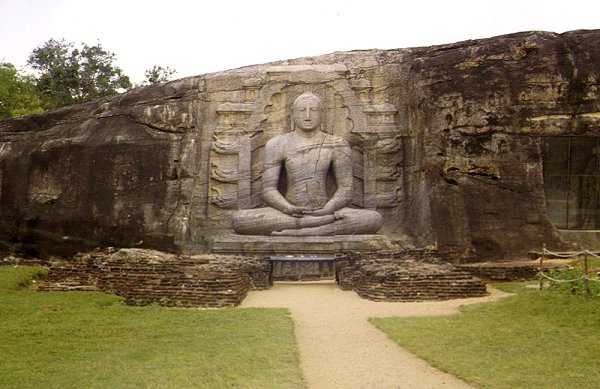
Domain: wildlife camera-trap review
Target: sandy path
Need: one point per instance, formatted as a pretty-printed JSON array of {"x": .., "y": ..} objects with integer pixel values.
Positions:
[{"x": 340, "y": 349}]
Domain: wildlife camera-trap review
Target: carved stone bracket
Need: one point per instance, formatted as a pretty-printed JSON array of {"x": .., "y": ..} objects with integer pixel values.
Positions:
[
  {"x": 225, "y": 146},
  {"x": 224, "y": 200},
  {"x": 232, "y": 117},
  {"x": 224, "y": 175},
  {"x": 381, "y": 119},
  {"x": 252, "y": 87}
]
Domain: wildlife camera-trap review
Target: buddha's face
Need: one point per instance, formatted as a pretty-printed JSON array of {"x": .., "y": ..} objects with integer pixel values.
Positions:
[{"x": 307, "y": 114}]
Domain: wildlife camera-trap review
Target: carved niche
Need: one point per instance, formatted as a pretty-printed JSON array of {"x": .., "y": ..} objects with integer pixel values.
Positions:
[{"x": 262, "y": 110}]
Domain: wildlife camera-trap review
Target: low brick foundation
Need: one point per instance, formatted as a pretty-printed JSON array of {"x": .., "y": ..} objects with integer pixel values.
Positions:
[
  {"x": 408, "y": 275},
  {"x": 144, "y": 277},
  {"x": 510, "y": 271}
]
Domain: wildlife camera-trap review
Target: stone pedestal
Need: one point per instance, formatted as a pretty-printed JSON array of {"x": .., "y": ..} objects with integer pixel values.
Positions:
[{"x": 313, "y": 245}]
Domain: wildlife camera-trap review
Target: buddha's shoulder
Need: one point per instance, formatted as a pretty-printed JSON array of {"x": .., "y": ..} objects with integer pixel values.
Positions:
[
  {"x": 336, "y": 140},
  {"x": 280, "y": 139}
]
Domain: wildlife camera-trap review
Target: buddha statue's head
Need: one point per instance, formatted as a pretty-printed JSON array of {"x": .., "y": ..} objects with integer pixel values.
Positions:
[{"x": 307, "y": 112}]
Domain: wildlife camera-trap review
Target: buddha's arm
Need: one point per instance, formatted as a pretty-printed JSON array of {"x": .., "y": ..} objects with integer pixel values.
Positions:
[{"x": 270, "y": 194}]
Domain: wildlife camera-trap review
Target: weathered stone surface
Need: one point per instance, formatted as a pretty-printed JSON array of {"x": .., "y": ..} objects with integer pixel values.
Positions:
[{"x": 446, "y": 146}]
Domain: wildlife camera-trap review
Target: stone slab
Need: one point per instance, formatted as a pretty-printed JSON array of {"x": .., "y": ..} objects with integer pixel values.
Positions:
[{"x": 314, "y": 245}]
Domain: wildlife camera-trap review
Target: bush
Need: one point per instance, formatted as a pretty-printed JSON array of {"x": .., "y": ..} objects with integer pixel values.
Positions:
[{"x": 575, "y": 287}]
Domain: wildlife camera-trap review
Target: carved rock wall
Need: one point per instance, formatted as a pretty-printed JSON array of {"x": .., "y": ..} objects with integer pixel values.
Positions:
[{"x": 446, "y": 146}]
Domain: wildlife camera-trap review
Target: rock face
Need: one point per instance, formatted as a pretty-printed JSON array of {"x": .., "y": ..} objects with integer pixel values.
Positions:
[{"x": 447, "y": 145}]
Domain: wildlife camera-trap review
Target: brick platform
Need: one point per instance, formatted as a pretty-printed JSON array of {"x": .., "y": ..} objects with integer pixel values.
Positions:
[
  {"x": 407, "y": 275},
  {"x": 510, "y": 271},
  {"x": 144, "y": 277}
]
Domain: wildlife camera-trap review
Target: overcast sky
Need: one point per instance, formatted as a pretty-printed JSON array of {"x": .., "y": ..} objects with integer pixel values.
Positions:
[{"x": 197, "y": 37}]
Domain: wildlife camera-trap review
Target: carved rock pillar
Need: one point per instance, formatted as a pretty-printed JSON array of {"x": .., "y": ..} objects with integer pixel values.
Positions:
[
  {"x": 231, "y": 157},
  {"x": 383, "y": 153}
]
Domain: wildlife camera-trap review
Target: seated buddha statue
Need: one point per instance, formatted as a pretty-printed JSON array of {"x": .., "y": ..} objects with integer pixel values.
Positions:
[{"x": 305, "y": 208}]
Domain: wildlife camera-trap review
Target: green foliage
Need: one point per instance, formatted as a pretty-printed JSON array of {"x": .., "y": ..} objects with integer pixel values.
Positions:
[
  {"x": 158, "y": 74},
  {"x": 69, "y": 75},
  {"x": 535, "y": 339},
  {"x": 66, "y": 74},
  {"x": 576, "y": 287},
  {"x": 92, "y": 340},
  {"x": 18, "y": 94}
]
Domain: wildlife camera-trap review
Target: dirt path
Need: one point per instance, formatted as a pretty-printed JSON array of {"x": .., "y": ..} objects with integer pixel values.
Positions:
[{"x": 340, "y": 349}]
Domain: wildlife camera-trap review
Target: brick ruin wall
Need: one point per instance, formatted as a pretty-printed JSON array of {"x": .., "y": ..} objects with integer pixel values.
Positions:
[
  {"x": 500, "y": 272},
  {"x": 145, "y": 277},
  {"x": 409, "y": 275}
]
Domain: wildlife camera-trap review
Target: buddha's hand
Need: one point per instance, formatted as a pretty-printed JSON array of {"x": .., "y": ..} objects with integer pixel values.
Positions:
[
  {"x": 319, "y": 212},
  {"x": 297, "y": 211}
]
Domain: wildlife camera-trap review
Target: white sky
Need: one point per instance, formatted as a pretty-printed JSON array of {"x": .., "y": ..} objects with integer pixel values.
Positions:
[{"x": 197, "y": 37}]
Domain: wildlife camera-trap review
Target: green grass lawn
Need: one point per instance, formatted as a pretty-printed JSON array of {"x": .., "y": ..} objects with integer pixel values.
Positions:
[
  {"x": 535, "y": 339},
  {"x": 92, "y": 340}
]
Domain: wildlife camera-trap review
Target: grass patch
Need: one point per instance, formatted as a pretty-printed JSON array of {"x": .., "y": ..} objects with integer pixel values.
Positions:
[
  {"x": 92, "y": 340},
  {"x": 593, "y": 262},
  {"x": 535, "y": 339},
  {"x": 515, "y": 287},
  {"x": 19, "y": 277}
]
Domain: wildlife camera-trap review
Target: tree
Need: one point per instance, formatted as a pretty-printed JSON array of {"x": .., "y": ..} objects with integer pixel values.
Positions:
[
  {"x": 18, "y": 94},
  {"x": 158, "y": 74},
  {"x": 70, "y": 75}
]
